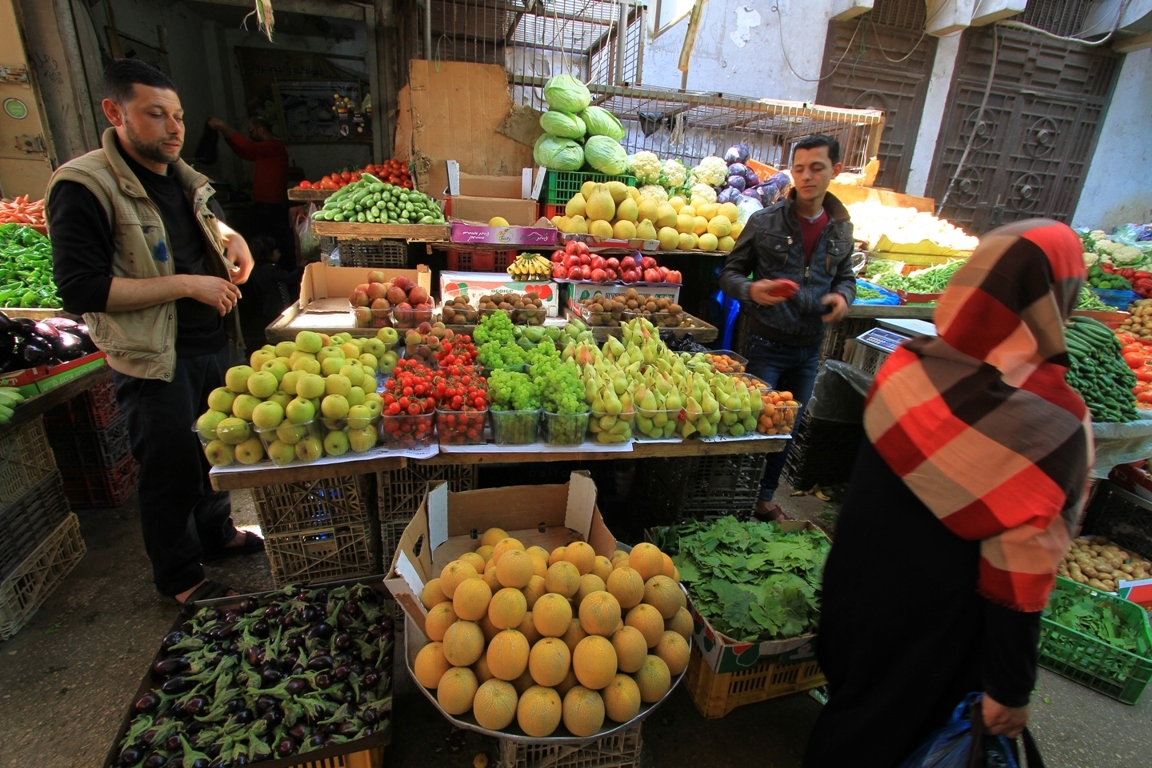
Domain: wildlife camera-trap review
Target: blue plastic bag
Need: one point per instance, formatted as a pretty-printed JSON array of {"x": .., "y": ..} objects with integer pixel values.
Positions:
[
  {"x": 1115, "y": 299},
  {"x": 949, "y": 746}
]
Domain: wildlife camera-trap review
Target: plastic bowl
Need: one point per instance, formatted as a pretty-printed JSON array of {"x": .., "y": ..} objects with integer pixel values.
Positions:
[
  {"x": 289, "y": 443},
  {"x": 404, "y": 431},
  {"x": 515, "y": 427},
  {"x": 460, "y": 427},
  {"x": 655, "y": 425},
  {"x": 222, "y": 452},
  {"x": 564, "y": 428},
  {"x": 609, "y": 428}
]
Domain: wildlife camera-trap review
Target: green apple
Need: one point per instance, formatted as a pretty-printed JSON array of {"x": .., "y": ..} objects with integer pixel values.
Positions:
[
  {"x": 362, "y": 439},
  {"x": 388, "y": 361},
  {"x": 285, "y": 361},
  {"x": 356, "y": 396},
  {"x": 354, "y": 374},
  {"x": 261, "y": 384},
  {"x": 309, "y": 341},
  {"x": 368, "y": 360},
  {"x": 290, "y": 434},
  {"x": 329, "y": 352},
  {"x": 259, "y": 357},
  {"x": 298, "y": 355},
  {"x": 331, "y": 365},
  {"x": 299, "y": 411},
  {"x": 233, "y": 431},
  {"x": 334, "y": 407},
  {"x": 219, "y": 453},
  {"x": 337, "y": 384},
  {"x": 221, "y": 399},
  {"x": 336, "y": 443},
  {"x": 309, "y": 449},
  {"x": 250, "y": 451},
  {"x": 375, "y": 406},
  {"x": 351, "y": 351},
  {"x": 281, "y": 453},
  {"x": 288, "y": 383},
  {"x": 269, "y": 348},
  {"x": 307, "y": 365},
  {"x": 369, "y": 378},
  {"x": 285, "y": 348},
  {"x": 281, "y": 397},
  {"x": 309, "y": 386},
  {"x": 374, "y": 347},
  {"x": 207, "y": 423},
  {"x": 274, "y": 367},
  {"x": 388, "y": 335},
  {"x": 236, "y": 378},
  {"x": 359, "y": 416},
  {"x": 243, "y": 406},
  {"x": 268, "y": 415}
]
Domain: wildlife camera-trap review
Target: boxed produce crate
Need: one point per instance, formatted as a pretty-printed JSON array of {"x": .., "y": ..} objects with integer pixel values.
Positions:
[
  {"x": 95, "y": 408},
  {"x": 374, "y": 254},
  {"x": 699, "y": 486},
  {"x": 562, "y": 186},
  {"x": 25, "y": 589},
  {"x": 400, "y": 492},
  {"x": 716, "y": 694},
  {"x": 473, "y": 285},
  {"x": 29, "y": 520},
  {"x": 620, "y": 750},
  {"x": 324, "y": 554},
  {"x": 1126, "y": 519},
  {"x": 102, "y": 488},
  {"x": 580, "y": 291}
]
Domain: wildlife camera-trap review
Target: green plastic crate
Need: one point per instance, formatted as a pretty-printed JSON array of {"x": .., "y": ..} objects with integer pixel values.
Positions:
[
  {"x": 560, "y": 186},
  {"x": 1087, "y": 660}
]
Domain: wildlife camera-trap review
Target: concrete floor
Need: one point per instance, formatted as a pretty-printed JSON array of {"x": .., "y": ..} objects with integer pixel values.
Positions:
[{"x": 68, "y": 676}]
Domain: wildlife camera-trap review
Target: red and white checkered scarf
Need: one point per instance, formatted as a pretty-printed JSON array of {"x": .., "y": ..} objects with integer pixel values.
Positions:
[{"x": 979, "y": 422}]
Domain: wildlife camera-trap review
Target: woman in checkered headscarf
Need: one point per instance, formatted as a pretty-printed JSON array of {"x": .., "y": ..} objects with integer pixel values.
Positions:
[{"x": 961, "y": 506}]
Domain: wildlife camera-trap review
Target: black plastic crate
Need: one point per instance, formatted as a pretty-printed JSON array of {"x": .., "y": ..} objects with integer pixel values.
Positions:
[
  {"x": 1126, "y": 519},
  {"x": 30, "y": 520},
  {"x": 400, "y": 492},
  {"x": 384, "y": 254},
  {"x": 701, "y": 486},
  {"x": 314, "y": 504},
  {"x": 91, "y": 448},
  {"x": 95, "y": 408},
  {"x": 102, "y": 488},
  {"x": 823, "y": 452}
]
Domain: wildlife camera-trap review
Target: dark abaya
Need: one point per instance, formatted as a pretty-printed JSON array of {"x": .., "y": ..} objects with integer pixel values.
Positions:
[{"x": 903, "y": 635}]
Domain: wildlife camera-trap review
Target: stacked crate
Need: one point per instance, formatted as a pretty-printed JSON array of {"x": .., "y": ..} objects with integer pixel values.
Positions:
[
  {"x": 39, "y": 536},
  {"x": 700, "y": 486},
  {"x": 89, "y": 435},
  {"x": 319, "y": 530},
  {"x": 400, "y": 492}
]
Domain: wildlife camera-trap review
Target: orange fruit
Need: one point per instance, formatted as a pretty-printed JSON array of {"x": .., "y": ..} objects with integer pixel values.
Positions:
[
  {"x": 599, "y": 613},
  {"x": 631, "y": 649},
  {"x": 625, "y": 584},
  {"x": 430, "y": 665},
  {"x": 649, "y": 621},
  {"x": 647, "y": 560},
  {"x": 494, "y": 705},
  {"x": 456, "y": 690},
  {"x": 438, "y": 620},
  {"x": 548, "y": 661},
  {"x": 621, "y": 699},
  {"x": 594, "y": 662},
  {"x": 514, "y": 568},
  {"x": 562, "y": 578},
  {"x": 552, "y": 615},
  {"x": 470, "y": 599},
  {"x": 583, "y": 711},
  {"x": 508, "y": 655},
  {"x": 507, "y": 608},
  {"x": 581, "y": 555},
  {"x": 539, "y": 711}
]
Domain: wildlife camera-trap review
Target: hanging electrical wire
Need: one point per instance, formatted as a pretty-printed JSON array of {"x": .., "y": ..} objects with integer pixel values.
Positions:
[
  {"x": 1062, "y": 38},
  {"x": 975, "y": 122}
]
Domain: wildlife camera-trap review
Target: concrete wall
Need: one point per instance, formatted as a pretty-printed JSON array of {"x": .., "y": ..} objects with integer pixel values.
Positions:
[{"x": 1117, "y": 189}]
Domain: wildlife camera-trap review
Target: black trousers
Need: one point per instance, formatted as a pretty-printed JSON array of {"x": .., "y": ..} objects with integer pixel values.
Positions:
[{"x": 183, "y": 520}]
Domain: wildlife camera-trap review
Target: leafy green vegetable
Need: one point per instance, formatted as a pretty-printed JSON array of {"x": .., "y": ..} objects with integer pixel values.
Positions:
[
  {"x": 752, "y": 581},
  {"x": 1077, "y": 609},
  {"x": 930, "y": 280},
  {"x": 1091, "y": 301}
]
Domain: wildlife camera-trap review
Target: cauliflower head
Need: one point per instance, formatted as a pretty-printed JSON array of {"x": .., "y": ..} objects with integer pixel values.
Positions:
[
  {"x": 1090, "y": 258},
  {"x": 673, "y": 175},
  {"x": 712, "y": 171},
  {"x": 655, "y": 192},
  {"x": 1127, "y": 255},
  {"x": 702, "y": 191},
  {"x": 645, "y": 166}
]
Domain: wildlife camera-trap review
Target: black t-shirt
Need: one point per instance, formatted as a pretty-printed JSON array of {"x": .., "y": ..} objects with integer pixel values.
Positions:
[{"x": 83, "y": 248}]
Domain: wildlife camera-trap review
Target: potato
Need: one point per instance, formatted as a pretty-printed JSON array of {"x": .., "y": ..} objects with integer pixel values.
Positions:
[
  {"x": 1096, "y": 583},
  {"x": 1090, "y": 571}
]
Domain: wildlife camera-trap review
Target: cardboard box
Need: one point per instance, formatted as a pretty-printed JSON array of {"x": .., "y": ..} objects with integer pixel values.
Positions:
[
  {"x": 581, "y": 290},
  {"x": 323, "y": 304},
  {"x": 473, "y": 285},
  {"x": 58, "y": 375},
  {"x": 449, "y": 524},
  {"x": 24, "y": 381},
  {"x": 541, "y": 234},
  {"x": 518, "y": 213},
  {"x": 479, "y": 185}
]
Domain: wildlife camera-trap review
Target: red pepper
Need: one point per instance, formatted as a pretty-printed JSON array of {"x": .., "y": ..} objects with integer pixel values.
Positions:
[
  {"x": 785, "y": 288},
  {"x": 1143, "y": 285}
]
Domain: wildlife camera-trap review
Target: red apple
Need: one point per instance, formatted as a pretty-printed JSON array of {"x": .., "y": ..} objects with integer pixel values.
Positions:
[
  {"x": 359, "y": 298},
  {"x": 377, "y": 290},
  {"x": 417, "y": 295},
  {"x": 647, "y": 263},
  {"x": 396, "y": 295},
  {"x": 560, "y": 272},
  {"x": 572, "y": 246},
  {"x": 363, "y": 316},
  {"x": 558, "y": 257},
  {"x": 627, "y": 263},
  {"x": 376, "y": 276},
  {"x": 628, "y": 275},
  {"x": 674, "y": 276},
  {"x": 585, "y": 259},
  {"x": 596, "y": 262},
  {"x": 572, "y": 261},
  {"x": 362, "y": 287},
  {"x": 651, "y": 276},
  {"x": 611, "y": 275},
  {"x": 586, "y": 272},
  {"x": 599, "y": 275},
  {"x": 663, "y": 272},
  {"x": 612, "y": 263},
  {"x": 403, "y": 283}
]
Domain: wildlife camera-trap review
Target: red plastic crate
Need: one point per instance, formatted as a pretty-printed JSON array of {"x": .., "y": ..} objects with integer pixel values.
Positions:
[
  {"x": 479, "y": 260},
  {"x": 102, "y": 488},
  {"x": 553, "y": 210},
  {"x": 95, "y": 408}
]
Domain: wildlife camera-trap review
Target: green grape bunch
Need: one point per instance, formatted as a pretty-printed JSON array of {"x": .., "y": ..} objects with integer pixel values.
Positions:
[
  {"x": 559, "y": 387},
  {"x": 512, "y": 391},
  {"x": 495, "y": 327}
]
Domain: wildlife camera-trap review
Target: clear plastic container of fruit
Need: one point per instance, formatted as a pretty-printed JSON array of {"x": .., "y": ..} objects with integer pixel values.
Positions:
[
  {"x": 405, "y": 431},
  {"x": 237, "y": 442},
  {"x": 610, "y": 428},
  {"x": 461, "y": 427},
  {"x": 515, "y": 427},
  {"x": 290, "y": 443},
  {"x": 656, "y": 425},
  {"x": 659, "y": 319},
  {"x": 754, "y": 383},
  {"x": 600, "y": 317},
  {"x": 564, "y": 428},
  {"x": 459, "y": 314},
  {"x": 412, "y": 317},
  {"x": 519, "y": 368},
  {"x": 423, "y": 353},
  {"x": 732, "y": 424},
  {"x": 727, "y": 361},
  {"x": 360, "y": 434},
  {"x": 779, "y": 414}
]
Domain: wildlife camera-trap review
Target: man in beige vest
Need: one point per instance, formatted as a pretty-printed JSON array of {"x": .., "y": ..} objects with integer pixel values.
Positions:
[{"x": 139, "y": 250}]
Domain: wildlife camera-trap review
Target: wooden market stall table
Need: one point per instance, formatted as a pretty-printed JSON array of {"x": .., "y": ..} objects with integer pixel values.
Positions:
[{"x": 266, "y": 474}]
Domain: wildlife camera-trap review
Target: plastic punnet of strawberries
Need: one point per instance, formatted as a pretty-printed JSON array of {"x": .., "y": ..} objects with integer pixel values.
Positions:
[
  {"x": 462, "y": 404},
  {"x": 409, "y": 405}
]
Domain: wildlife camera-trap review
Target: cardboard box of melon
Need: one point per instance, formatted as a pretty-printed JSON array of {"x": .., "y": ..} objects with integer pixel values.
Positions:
[{"x": 527, "y": 622}]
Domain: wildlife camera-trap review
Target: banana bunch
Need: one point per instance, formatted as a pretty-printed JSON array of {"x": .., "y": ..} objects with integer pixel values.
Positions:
[
  {"x": 530, "y": 266},
  {"x": 9, "y": 399}
]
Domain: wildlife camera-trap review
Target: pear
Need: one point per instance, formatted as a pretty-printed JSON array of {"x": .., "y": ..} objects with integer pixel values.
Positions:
[
  {"x": 628, "y": 210},
  {"x": 586, "y": 189},
  {"x": 577, "y": 226},
  {"x": 576, "y": 206},
  {"x": 645, "y": 231},
  {"x": 618, "y": 190}
]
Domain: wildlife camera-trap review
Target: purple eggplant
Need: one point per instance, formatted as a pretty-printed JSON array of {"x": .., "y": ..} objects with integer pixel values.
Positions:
[
  {"x": 286, "y": 747},
  {"x": 85, "y": 339},
  {"x": 196, "y": 705},
  {"x": 169, "y": 667},
  {"x": 46, "y": 330},
  {"x": 155, "y": 760},
  {"x": 131, "y": 755},
  {"x": 317, "y": 663},
  {"x": 178, "y": 684},
  {"x": 148, "y": 702}
]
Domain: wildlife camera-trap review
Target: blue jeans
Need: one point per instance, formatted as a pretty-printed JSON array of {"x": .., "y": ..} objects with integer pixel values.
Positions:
[{"x": 784, "y": 368}]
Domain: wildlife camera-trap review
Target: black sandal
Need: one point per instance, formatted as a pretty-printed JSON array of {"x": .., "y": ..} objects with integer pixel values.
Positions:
[
  {"x": 209, "y": 590},
  {"x": 252, "y": 545}
]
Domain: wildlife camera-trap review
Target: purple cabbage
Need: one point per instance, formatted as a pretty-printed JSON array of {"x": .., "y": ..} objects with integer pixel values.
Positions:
[
  {"x": 738, "y": 169},
  {"x": 750, "y": 177},
  {"x": 728, "y": 195},
  {"x": 737, "y": 153},
  {"x": 737, "y": 182}
]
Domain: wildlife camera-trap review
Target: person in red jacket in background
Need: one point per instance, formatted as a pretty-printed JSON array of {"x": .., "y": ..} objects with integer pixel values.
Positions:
[{"x": 270, "y": 180}]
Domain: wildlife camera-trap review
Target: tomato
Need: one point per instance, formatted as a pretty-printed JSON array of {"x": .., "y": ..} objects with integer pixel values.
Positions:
[
  {"x": 356, "y": 176},
  {"x": 1135, "y": 361},
  {"x": 346, "y": 176}
]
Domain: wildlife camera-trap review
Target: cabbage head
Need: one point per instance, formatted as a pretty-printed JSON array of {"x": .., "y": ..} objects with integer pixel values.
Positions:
[
  {"x": 606, "y": 155},
  {"x": 557, "y": 153},
  {"x": 566, "y": 93},
  {"x": 601, "y": 122},
  {"x": 562, "y": 124}
]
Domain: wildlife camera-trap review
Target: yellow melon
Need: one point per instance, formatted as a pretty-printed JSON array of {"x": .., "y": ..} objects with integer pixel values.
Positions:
[
  {"x": 539, "y": 711},
  {"x": 601, "y": 229},
  {"x": 626, "y": 585},
  {"x": 707, "y": 242},
  {"x": 507, "y": 655},
  {"x": 599, "y": 613},
  {"x": 669, "y": 567},
  {"x": 729, "y": 211},
  {"x": 619, "y": 557},
  {"x": 548, "y": 661},
  {"x": 528, "y": 629},
  {"x": 664, "y": 595},
  {"x": 562, "y": 578},
  {"x": 454, "y": 573},
  {"x": 583, "y": 711},
  {"x": 681, "y": 623},
  {"x": 589, "y": 583},
  {"x": 488, "y": 628},
  {"x": 539, "y": 564},
  {"x": 677, "y": 202},
  {"x": 653, "y": 679},
  {"x": 523, "y": 683},
  {"x": 631, "y": 649},
  {"x": 688, "y": 241},
  {"x": 725, "y": 244},
  {"x": 556, "y": 555},
  {"x": 430, "y": 665},
  {"x": 602, "y": 567},
  {"x": 699, "y": 225},
  {"x": 648, "y": 620},
  {"x": 568, "y": 683},
  {"x": 485, "y": 551},
  {"x": 432, "y": 594},
  {"x": 483, "y": 674},
  {"x": 737, "y": 228},
  {"x": 574, "y": 635},
  {"x": 621, "y": 699},
  {"x": 647, "y": 560},
  {"x": 669, "y": 239},
  {"x": 665, "y": 216},
  {"x": 685, "y": 223},
  {"x": 594, "y": 662},
  {"x": 438, "y": 620},
  {"x": 474, "y": 560},
  {"x": 505, "y": 544},
  {"x": 463, "y": 643},
  {"x": 674, "y": 650},
  {"x": 552, "y": 615},
  {"x": 514, "y": 569},
  {"x": 490, "y": 578},
  {"x": 687, "y": 210},
  {"x": 581, "y": 555},
  {"x": 494, "y": 705},
  {"x": 507, "y": 608},
  {"x": 538, "y": 551},
  {"x": 708, "y": 210},
  {"x": 647, "y": 209},
  {"x": 534, "y": 590},
  {"x": 471, "y": 598},
  {"x": 492, "y": 537},
  {"x": 720, "y": 227},
  {"x": 456, "y": 690},
  {"x": 624, "y": 230}
]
